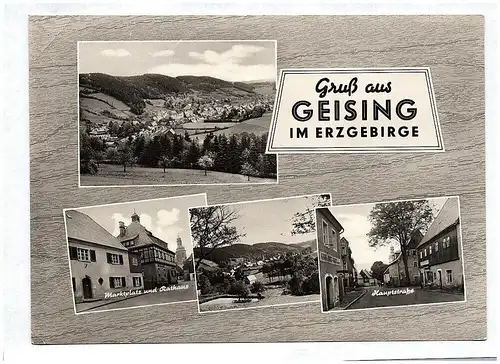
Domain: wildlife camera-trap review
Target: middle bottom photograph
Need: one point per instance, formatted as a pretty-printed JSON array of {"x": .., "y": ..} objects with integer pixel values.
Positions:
[{"x": 256, "y": 254}]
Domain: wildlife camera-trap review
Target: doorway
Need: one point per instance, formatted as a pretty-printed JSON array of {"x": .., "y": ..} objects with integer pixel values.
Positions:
[
  {"x": 335, "y": 290},
  {"x": 440, "y": 279},
  {"x": 329, "y": 293},
  {"x": 87, "y": 287}
]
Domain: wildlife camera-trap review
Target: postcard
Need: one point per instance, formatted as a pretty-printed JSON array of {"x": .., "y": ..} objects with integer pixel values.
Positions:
[
  {"x": 131, "y": 254},
  {"x": 245, "y": 259},
  {"x": 388, "y": 254}
]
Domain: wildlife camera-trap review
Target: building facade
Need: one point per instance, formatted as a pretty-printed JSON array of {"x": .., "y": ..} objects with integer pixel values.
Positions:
[
  {"x": 347, "y": 265},
  {"x": 365, "y": 279},
  {"x": 440, "y": 251},
  {"x": 395, "y": 274},
  {"x": 328, "y": 231},
  {"x": 158, "y": 262},
  {"x": 99, "y": 263}
]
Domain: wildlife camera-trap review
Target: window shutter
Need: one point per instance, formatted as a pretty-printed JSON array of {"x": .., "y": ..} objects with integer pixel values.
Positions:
[
  {"x": 124, "y": 282},
  {"x": 92, "y": 256},
  {"x": 108, "y": 256},
  {"x": 73, "y": 253},
  {"x": 121, "y": 259},
  {"x": 111, "y": 282}
]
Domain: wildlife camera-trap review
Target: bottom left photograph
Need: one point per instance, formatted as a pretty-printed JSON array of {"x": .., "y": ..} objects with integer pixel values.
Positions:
[{"x": 131, "y": 254}]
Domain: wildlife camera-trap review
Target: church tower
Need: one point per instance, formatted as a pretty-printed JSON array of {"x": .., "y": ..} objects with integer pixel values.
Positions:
[{"x": 180, "y": 252}]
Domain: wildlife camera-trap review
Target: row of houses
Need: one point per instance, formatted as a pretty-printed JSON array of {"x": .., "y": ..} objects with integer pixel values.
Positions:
[
  {"x": 434, "y": 259},
  {"x": 102, "y": 263},
  {"x": 338, "y": 274}
]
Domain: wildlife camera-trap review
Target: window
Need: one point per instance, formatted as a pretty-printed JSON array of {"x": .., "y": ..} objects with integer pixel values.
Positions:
[
  {"x": 434, "y": 275},
  {"x": 425, "y": 252},
  {"x": 114, "y": 258},
  {"x": 448, "y": 241},
  {"x": 430, "y": 249},
  {"x": 326, "y": 239},
  {"x": 437, "y": 245},
  {"x": 73, "y": 281},
  {"x": 83, "y": 254},
  {"x": 334, "y": 241},
  {"x": 117, "y": 282},
  {"x": 415, "y": 264},
  {"x": 413, "y": 252},
  {"x": 135, "y": 261},
  {"x": 137, "y": 281},
  {"x": 449, "y": 276},
  {"x": 420, "y": 254}
]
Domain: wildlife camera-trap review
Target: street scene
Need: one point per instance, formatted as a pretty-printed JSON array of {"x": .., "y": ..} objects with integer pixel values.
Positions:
[
  {"x": 390, "y": 254},
  {"x": 131, "y": 254},
  {"x": 188, "y": 112},
  {"x": 245, "y": 259}
]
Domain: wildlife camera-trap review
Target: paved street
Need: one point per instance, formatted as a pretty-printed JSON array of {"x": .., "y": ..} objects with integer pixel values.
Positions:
[
  {"x": 144, "y": 300},
  {"x": 419, "y": 296}
]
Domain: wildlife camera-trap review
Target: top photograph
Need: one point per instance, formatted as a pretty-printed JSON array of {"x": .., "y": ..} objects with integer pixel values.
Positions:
[{"x": 166, "y": 113}]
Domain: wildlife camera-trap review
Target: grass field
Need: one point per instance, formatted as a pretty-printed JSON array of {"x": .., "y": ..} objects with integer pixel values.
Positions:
[{"x": 111, "y": 175}]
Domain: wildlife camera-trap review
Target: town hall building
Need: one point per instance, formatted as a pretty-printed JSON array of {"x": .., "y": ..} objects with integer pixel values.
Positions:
[{"x": 158, "y": 261}]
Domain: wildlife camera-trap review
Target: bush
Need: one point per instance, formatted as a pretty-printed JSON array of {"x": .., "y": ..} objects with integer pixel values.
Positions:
[
  {"x": 257, "y": 287},
  {"x": 204, "y": 284},
  {"x": 311, "y": 284},
  {"x": 88, "y": 167},
  {"x": 295, "y": 286},
  {"x": 240, "y": 289}
]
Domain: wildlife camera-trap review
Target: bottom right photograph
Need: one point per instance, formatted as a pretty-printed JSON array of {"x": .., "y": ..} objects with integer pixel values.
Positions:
[{"x": 389, "y": 254}]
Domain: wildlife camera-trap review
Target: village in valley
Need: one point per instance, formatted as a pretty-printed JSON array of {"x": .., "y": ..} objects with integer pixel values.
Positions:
[
  {"x": 424, "y": 264},
  {"x": 147, "y": 128},
  {"x": 245, "y": 263}
]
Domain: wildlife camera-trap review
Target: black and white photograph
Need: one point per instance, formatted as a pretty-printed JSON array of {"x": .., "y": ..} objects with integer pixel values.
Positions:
[
  {"x": 175, "y": 112},
  {"x": 389, "y": 254},
  {"x": 256, "y": 253},
  {"x": 131, "y": 254}
]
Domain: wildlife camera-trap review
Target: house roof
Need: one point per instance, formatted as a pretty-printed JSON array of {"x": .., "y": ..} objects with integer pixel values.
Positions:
[
  {"x": 82, "y": 227},
  {"x": 144, "y": 236},
  {"x": 365, "y": 273},
  {"x": 447, "y": 217},
  {"x": 328, "y": 214}
]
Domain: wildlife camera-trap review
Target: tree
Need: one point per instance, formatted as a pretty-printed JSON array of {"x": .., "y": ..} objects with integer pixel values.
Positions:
[
  {"x": 397, "y": 222},
  {"x": 378, "y": 269},
  {"x": 124, "y": 155},
  {"x": 211, "y": 229},
  {"x": 206, "y": 162},
  {"x": 247, "y": 170},
  {"x": 303, "y": 222},
  {"x": 165, "y": 162}
]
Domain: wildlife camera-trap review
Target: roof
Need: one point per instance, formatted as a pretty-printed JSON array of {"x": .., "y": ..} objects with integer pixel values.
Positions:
[
  {"x": 447, "y": 217},
  {"x": 365, "y": 273},
  {"x": 144, "y": 236},
  {"x": 328, "y": 214},
  {"x": 82, "y": 227}
]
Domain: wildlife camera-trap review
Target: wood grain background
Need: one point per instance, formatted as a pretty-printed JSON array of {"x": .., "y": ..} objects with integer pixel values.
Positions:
[{"x": 451, "y": 45}]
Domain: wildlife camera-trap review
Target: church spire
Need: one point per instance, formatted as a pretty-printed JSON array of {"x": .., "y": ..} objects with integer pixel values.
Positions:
[{"x": 135, "y": 217}]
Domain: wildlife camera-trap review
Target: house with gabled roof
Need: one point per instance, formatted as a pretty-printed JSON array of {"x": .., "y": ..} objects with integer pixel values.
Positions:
[
  {"x": 157, "y": 260},
  {"x": 440, "y": 250},
  {"x": 99, "y": 264},
  {"x": 366, "y": 279}
]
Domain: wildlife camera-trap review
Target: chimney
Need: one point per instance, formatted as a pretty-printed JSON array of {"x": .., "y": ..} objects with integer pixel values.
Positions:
[{"x": 122, "y": 228}]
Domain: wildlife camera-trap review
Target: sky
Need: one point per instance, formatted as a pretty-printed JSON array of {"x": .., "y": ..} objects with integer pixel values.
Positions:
[
  {"x": 233, "y": 61},
  {"x": 354, "y": 220},
  {"x": 165, "y": 218},
  {"x": 271, "y": 221}
]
